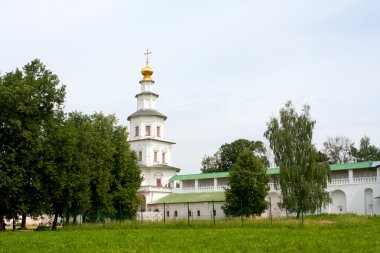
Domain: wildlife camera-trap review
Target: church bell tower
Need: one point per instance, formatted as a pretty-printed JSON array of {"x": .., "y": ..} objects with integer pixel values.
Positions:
[{"x": 147, "y": 139}]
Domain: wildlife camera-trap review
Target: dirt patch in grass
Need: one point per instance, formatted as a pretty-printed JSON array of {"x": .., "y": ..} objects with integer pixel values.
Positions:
[{"x": 326, "y": 222}]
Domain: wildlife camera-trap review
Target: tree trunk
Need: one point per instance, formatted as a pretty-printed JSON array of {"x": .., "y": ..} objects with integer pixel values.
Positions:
[
  {"x": 14, "y": 224},
  {"x": 23, "y": 221},
  {"x": 67, "y": 220},
  {"x": 54, "y": 226},
  {"x": 2, "y": 223}
]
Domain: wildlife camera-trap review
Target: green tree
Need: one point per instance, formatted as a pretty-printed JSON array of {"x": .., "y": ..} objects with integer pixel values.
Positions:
[
  {"x": 366, "y": 151},
  {"x": 59, "y": 148},
  {"x": 225, "y": 158},
  {"x": 79, "y": 181},
  {"x": 28, "y": 98},
  {"x": 248, "y": 186},
  {"x": 339, "y": 150},
  {"x": 125, "y": 176},
  {"x": 55, "y": 163},
  {"x": 100, "y": 152},
  {"x": 302, "y": 180},
  {"x": 321, "y": 157},
  {"x": 65, "y": 173},
  {"x": 90, "y": 169}
]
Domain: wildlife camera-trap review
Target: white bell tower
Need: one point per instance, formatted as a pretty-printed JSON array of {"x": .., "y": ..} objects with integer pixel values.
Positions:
[{"x": 147, "y": 138}]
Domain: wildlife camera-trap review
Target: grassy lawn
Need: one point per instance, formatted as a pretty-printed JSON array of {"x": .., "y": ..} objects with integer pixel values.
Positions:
[{"x": 318, "y": 234}]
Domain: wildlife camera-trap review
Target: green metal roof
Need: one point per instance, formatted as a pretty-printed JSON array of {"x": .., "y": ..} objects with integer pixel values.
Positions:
[
  {"x": 199, "y": 176},
  {"x": 191, "y": 197},
  {"x": 344, "y": 166},
  {"x": 359, "y": 165},
  {"x": 271, "y": 171},
  {"x": 276, "y": 170}
]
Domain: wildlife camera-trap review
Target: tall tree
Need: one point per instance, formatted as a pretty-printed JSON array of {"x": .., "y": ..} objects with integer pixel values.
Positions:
[
  {"x": 79, "y": 173},
  {"x": 125, "y": 176},
  {"x": 225, "y": 158},
  {"x": 248, "y": 186},
  {"x": 59, "y": 149},
  {"x": 90, "y": 169},
  {"x": 53, "y": 163},
  {"x": 65, "y": 173},
  {"x": 339, "y": 150},
  {"x": 28, "y": 98},
  {"x": 366, "y": 151},
  {"x": 101, "y": 151},
  {"x": 302, "y": 179}
]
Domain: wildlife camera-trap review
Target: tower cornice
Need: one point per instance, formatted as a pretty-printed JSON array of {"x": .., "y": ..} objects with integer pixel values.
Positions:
[
  {"x": 147, "y": 112},
  {"x": 152, "y": 139},
  {"x": 147, "y": 93}
]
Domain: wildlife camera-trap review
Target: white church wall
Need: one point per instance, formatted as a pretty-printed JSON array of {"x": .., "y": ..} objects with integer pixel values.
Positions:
[
  {"x": 150, "y": 176},
  {"x": 146, "y": 86},
  {"x": 348, "y": 198},
  {"x": 148, "y": 147},
  {"x": 154, "y": 194},
  {"x": 143, "y": 121},
  {"x": 274, "y": 198},
  {"x": 199, "y": 210},
  {"x": 355, "y": 198},
  {"x": 368, "y": 201}
]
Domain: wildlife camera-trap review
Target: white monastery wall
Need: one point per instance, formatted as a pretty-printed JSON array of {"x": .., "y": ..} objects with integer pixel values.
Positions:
[
  {"x": 199, "y": 211},
  {"x": 354, "y": 198}
]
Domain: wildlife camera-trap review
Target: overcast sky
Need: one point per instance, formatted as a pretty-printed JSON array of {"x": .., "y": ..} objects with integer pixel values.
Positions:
[{"x": 222, "y": 68}]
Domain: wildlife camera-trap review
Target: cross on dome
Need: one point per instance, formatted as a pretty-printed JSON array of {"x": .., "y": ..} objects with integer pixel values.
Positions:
[
  {"x": 147, "y": 71},
  {"x": 147, "y": 56}
]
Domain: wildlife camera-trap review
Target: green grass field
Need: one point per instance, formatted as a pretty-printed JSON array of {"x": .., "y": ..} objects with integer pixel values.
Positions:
[{"x": 343, "y": 233}]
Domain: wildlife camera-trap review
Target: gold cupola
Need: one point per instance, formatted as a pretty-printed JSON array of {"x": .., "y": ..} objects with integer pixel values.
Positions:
[{"x": 147, "y": 72}]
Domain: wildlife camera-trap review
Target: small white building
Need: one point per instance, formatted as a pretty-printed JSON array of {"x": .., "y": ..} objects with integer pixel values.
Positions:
[{"x": 198, "y": 196}]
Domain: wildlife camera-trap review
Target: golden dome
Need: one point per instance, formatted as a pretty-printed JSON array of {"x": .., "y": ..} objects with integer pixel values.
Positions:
[{"x": 147, "y": 72}]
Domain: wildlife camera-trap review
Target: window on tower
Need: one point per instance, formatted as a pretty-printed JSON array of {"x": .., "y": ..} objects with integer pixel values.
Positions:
[
  {"x": 158, "y": 182},
  {"x": 147, "y": 130},
  {"x": 155, "y": 156},
  {"x": 158, "y": 131},
  {"x": 137, "y": 131},
  {"x": 140, "y": 156},
  {"x": 163, "y": 158}
]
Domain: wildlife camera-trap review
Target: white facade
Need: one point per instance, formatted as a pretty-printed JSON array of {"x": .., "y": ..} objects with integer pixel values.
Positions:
[
  {"x": 147, "y": 139},
  {"x": 358, "y": 196},
  {"x": 195, "y": 210},
  {"x": 354, "y": 188}
]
